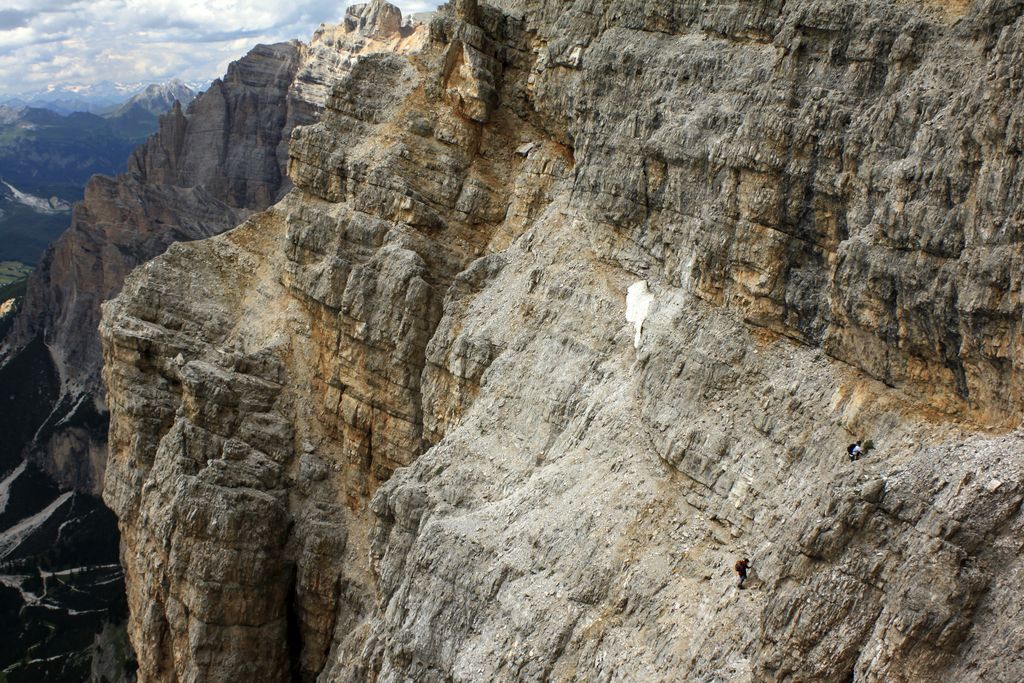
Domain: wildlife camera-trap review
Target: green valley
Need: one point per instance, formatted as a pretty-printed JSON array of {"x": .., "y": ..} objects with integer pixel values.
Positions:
[{"x": 12, "y": 272}]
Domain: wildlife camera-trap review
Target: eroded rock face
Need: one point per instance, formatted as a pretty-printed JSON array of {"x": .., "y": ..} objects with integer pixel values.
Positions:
[
  {"x": 204, "y": 172},
  {"x": 374, "y": 19},
  {"x": 399, "y": 427}
]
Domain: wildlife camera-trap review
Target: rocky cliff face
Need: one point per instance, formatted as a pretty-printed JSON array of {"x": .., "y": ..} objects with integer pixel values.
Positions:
[
  {"x": 201, "y": 174},
  {"x": 397, "y": 426}
]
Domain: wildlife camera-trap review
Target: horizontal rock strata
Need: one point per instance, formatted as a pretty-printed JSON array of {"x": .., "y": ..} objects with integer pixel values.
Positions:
[{"x": 398, "y": 426}]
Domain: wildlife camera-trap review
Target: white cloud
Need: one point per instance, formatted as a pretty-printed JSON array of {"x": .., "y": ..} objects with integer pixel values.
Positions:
[{"x": 48, "y": 43}]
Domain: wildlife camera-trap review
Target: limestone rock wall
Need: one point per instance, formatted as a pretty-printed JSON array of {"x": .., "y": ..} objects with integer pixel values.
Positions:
[
  {"x": 838, "y": 172},
  {"x": 398, "y": 427}
]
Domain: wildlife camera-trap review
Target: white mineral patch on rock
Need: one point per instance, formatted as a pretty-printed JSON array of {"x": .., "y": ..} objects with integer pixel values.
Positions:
[{"x": 638, "y": 304}]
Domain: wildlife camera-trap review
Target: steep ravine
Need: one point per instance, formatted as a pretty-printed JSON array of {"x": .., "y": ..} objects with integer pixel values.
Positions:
[{"x": 396, "y": 427}]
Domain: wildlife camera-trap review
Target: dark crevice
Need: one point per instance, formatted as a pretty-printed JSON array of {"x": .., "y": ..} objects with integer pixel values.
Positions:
[{"x": 294, "y": 630}]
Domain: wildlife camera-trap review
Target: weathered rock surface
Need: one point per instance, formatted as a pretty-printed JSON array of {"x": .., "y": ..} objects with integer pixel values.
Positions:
[
  {"x": 398, "y": 427},
  {"x": 201, "y": 174}
]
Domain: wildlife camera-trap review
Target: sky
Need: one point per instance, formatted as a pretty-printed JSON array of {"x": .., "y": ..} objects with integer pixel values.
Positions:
[{"x": 47, "y": 43}]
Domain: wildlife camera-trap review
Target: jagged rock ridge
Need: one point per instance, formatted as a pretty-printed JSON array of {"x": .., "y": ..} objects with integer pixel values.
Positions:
[
  {"x": 204, "y": 172},
  {"x": 397, "y": 426},
  {"x": 201, "y": 174}
]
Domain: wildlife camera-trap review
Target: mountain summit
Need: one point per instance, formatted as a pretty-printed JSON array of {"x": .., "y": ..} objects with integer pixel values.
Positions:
[{"x": 157, "y": 98}]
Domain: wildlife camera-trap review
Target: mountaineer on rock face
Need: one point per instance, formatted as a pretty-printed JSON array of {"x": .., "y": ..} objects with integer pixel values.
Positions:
[
  {"x": 741, "y": 568},
  {"x": 854, "y": 451}
]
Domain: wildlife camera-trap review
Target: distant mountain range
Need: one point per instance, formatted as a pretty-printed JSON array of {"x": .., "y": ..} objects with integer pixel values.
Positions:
[
  {"x": 156, "y": 98},
  {"x": 100, "y": 98},
  {"x": 46, "y": 158}
]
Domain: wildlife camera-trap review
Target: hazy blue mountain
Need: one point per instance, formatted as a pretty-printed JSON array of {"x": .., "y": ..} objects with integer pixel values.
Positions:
[
  {"x": 97, "y": 98},
  {"x": 156, "y": 98},
  {"x": 46, "y": 158}
]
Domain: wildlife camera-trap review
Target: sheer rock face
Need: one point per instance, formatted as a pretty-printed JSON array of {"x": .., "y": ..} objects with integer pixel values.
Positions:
[
  {"x": 202, "y": 173},
  {"x": 397, "y": 426},
  {"x": 375, "y": 19}
]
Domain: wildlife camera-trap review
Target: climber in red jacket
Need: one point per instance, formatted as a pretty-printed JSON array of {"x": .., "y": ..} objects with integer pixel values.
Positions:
[{"x": 741, "y": 568}]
